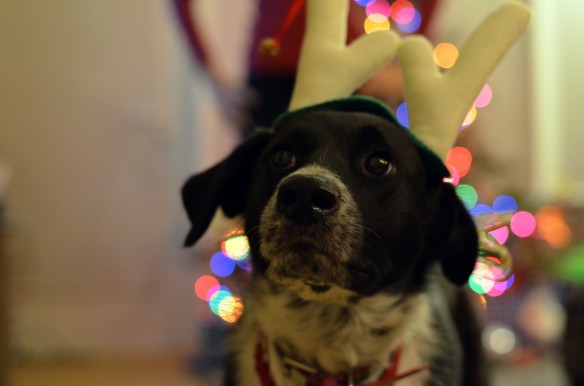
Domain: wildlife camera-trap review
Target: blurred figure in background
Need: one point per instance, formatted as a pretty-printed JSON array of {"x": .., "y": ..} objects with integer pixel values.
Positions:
[{"x": 270, "y": 78}]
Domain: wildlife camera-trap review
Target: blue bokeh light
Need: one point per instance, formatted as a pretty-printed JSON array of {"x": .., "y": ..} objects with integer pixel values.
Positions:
[
  {"x": 222, "y": 265},
  {"x": 364, "y": 3},
  {"x": 402, "y": 115},
  {"x": 481, "y": 209},
  {"x": 413, "y": 25},
  {"x": 505, "y": 204}
]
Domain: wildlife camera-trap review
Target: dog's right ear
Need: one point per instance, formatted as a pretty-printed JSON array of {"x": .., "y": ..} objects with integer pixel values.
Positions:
[
  {"x": 454, "y": 234},
  {"x": 225, "y": 185}
]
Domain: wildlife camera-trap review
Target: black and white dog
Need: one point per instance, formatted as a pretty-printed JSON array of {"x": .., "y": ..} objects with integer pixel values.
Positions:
[{"x": 358, "y": 250}]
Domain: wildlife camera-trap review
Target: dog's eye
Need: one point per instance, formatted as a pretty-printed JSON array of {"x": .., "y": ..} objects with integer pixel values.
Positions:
[
  {"x": 284, "y": 159},
  {"x": 377, "y": 164}
]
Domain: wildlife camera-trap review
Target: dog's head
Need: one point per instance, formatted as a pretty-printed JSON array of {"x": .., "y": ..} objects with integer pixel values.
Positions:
[
  {"x": 342, "y": 197},
  {"x": 336, "y": 199}
]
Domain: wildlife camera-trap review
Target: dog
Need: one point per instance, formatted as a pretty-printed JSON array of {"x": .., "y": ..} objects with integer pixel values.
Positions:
[{"x": 359, "y": 252}]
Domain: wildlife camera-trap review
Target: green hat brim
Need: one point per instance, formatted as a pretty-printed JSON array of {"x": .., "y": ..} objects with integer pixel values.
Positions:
[{"x": 373, "y": 106}]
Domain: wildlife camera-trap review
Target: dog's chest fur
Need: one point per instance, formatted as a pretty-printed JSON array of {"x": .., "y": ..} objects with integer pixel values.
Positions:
[{"x": 335, "y": 337}]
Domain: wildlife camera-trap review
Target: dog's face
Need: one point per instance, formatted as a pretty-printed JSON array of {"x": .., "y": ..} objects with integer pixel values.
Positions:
[{"x": 338, "y": 201}]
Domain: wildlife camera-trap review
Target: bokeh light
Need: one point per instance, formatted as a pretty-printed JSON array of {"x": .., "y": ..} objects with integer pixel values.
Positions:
[
  {"x": 474, "y": 284},
  {"x": 479, "y": 284},
  {"x": 523, "y": 224},
  {"x": 203, "y": 285},
  {"x": 509, "y": 282},
  {"x": 402, "y": 115},
  {"x": 481, "y": 209},
  {"x": 501, "y": 234},
  {"x": 236, "y": 247},
  {"x": 460, "y": 159},
  {"x": 379, "y": 13},
  {"x": 398, "y": 6},
  {"x": 505, "y": 204},
  {"x": 413, "y": 25},
  {"x": 405, "y": 15},
  {"x": 467, "y": 194},
  {"x": 498, "y": 289},
  {"x": 216, "y": 288},
  {"x": 379, "y": 7},
  {"x": 221, "y": 265},
  {"x": 445, "y": 55},
  {"x": 230, "y": 309},
  {"x": 373, "y": 23},
  {"x": 470, "y": 117},
  {"x": 499, "y": 339},
  {"x": 484, "y": 97},
  {"x": 378, "y": 18},
  {"x": 216, "y": 298},
  {"x": 364, "y": 3},
  {"x": 553, "y": 228},
  {"x": 488, "y": 280},
  {"x": 234, "y": 253}
]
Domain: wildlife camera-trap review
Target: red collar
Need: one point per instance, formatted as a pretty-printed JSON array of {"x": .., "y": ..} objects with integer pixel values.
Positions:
[{"x": 313, "y": 378}]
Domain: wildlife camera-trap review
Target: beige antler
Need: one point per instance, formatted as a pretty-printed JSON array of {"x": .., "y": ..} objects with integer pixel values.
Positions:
[
  {"x": 438, "y": 102},
  {"x": 329, "y": 69}
]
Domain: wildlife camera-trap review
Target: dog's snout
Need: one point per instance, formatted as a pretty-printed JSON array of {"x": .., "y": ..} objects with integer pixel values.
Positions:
[{"x": 307, "y": 199}]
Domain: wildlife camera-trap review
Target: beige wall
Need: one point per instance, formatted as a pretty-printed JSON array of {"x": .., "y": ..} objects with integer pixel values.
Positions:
[
  {"x": 98, "y": 125},
  {"x": 558, "y": 91}
]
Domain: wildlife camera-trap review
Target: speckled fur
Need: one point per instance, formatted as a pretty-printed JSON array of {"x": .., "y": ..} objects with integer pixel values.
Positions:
[{"x": 335, "y": 337}]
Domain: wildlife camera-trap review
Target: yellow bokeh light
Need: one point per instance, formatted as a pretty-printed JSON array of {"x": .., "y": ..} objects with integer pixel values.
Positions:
[
  {"x": 236, "y": 247},
  {"x": 376, "y": 22},
  {"x": 445, "y": 55},
  {"x": 470, "y": 117},
  {"x": 231, "y": 309}
]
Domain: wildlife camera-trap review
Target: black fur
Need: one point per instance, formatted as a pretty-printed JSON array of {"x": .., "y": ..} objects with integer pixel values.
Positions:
[{"x": 411, "y": 220}]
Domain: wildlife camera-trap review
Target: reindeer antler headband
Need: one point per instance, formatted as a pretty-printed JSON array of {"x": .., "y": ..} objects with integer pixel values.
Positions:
[{"x": 329, "y": 71}]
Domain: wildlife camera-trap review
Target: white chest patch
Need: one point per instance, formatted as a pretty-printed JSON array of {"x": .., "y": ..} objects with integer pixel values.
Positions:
[{"x": 336, "y": 338}]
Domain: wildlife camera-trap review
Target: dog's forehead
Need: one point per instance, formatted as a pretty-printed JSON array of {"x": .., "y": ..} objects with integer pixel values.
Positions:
[{"x": 343, "y": 127}]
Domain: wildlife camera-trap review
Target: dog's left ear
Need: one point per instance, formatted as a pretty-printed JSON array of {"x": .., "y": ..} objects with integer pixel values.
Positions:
[
  {"x": 453, "y": 235},
  {"x": 225, "y": 185}
]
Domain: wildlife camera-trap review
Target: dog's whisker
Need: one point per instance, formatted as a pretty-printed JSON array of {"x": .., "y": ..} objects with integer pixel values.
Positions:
[
  {"x": 367, "y": 229},
  {"x": 254, "y": 229}
]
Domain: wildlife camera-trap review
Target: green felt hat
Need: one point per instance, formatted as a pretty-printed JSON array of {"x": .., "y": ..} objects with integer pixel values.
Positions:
[{"x": 373, "y": 106}]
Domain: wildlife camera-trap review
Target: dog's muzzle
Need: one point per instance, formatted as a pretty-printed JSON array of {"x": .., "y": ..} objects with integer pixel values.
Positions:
[
  {"x": 310, "y": 229},
  {"x": 307, "y": 199}
]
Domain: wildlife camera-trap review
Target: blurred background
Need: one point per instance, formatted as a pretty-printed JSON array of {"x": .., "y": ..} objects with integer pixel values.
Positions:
[{"x": 107, "y": 107}]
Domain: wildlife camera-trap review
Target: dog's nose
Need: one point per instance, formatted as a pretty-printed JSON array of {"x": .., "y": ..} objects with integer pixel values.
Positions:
[{"x": 307, "y": 199}]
